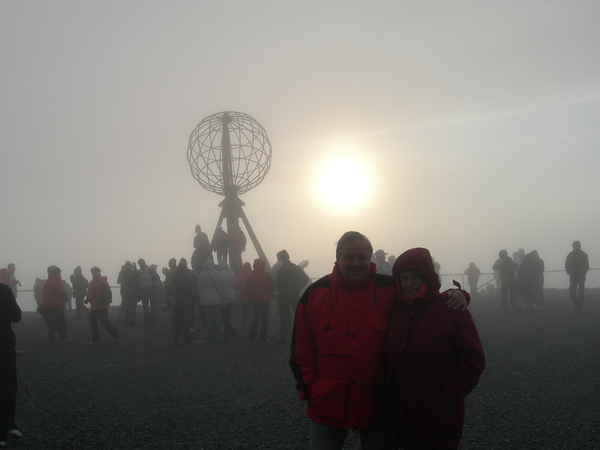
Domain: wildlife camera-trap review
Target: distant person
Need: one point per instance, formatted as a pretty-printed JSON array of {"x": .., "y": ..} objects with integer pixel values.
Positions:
[
  {"x": 54, "y": 299},
  {"x": 237, "y": 246},
  {"x": 9, "y": 313},
  {"x": 531, "y": 280},
  {"x": 506, "y": 268},
  {"x": 260, "y": 286},
  {"x": 381, "y": 265},
  {"x": 244, "y": 298},
  {"x": 80, "y": 285},
  {"x": 537, "y": 275},
  {"x": 473, "y": 273},
  {"x": 202, "y": 250},
  {"x": 169, "y": 273},
  {"x": 69, "y": 290},
  {"x": 182, "y": 290},
  {"x": 220, "y": 243},
  {"x": 7, "y": 276},
  {"x": 519, "y": 258},
  {"x": 99, "y": 307},
  {"x": 38, "y": 289},
  {"x": 210, "y": 289},
  {"x": 577, "y": 265},
  {"x": 433, "y": 355},
  {"x": 129, "y": 281},
  {"x": 159, "y": 292},
  {"x": 228, "y": 300},
  {"x": 147, "y": 292},
  {"x": 289, "y": 280}
]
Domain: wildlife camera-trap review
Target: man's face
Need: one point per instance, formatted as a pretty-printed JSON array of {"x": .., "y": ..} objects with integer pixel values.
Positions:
[{"x": 354, "y": 261}]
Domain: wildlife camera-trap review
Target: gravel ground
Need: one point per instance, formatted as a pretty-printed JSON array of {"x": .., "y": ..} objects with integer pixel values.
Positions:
[{"x": 540, "y": 389}]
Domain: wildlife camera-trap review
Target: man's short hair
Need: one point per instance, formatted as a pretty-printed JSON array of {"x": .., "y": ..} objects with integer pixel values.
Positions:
[
  {"x": 283, "y": 256},
  {"x": 350, "y": 237}
]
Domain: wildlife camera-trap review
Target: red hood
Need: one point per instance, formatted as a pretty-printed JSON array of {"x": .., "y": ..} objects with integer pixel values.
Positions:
[
  {"x": 259, "y": 265},
  {"x": 246, "y": 268},
  {"x": 418, "y": 259}
]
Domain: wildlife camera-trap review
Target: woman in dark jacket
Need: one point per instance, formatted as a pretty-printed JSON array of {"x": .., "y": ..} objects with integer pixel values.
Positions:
[
  {"x": 9, "y": 312},
  {"x": 434, "y": 355},
  {"x": 183, "y": 291}
]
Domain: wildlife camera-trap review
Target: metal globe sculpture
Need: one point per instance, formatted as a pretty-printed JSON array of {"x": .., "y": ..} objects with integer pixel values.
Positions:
[{"x": 229, "y": 153}]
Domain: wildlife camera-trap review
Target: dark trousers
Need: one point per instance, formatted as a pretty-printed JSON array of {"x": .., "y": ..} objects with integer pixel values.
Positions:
[
  {"x": 327, "y": 437},
  {"x": 8, "y": 390},
  {"x": 80, "y": 308},
  {"x": 182, "y": 321},
  {"x": 577, "y": 297},
  {"x": 284, "y": 309},
  {"x": 102, "y": 315},
  {"x": 130, "y": 304},
  {"x": 57, "y": 323},
  {"x": 148, "y": 298},
  {"x": 228, "y": 329},
  {"x": 260, "y": 312},
  {"x": 508, "y": 288}
]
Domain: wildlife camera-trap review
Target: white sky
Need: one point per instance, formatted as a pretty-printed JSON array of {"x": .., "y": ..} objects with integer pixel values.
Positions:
[{"x": 478, "y": 123}]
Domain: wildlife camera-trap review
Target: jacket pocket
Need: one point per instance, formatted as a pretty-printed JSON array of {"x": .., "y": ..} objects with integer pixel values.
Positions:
[{"x": 327, "y": 399}]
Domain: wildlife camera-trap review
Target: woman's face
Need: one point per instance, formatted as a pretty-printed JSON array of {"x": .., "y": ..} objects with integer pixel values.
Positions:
[{"x": 411, "y": 282}]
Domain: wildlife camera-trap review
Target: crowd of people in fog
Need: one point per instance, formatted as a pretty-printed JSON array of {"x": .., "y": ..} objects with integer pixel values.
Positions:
[{"x": 375, "y": 346}]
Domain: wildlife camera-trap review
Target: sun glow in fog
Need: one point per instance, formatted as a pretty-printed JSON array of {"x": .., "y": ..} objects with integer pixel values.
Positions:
[{"x": 344, "y": 182}]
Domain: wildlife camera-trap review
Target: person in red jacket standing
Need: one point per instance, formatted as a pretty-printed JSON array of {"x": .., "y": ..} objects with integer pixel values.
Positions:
[
  {"x": 54, "y": 299},
  {"x": 433, "y": 356},
  {"x": 260, "y": 286},
  {"x": 98, "y": 310},
  {"x": 337, "y": 347}
]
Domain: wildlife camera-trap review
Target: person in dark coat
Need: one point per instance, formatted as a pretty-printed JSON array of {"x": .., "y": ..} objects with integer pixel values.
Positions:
[
  {"x": 9, "y": 312},
  {"x": 182, "y": 292},
  {"x": 289, "y": 280},
  {"x": 577, "y": 266},
  {"x": 129, "y": 281},
  {"x": 506, "y": 268},
  {"x": 220, "y": 244},
  {"x": 202, "y": 250},
  {"x": 80, "y": 285},
  {"x": 434, "y": 356},
  {"x": 473, "y": 273},
  {"x": 237, "y": 246}
]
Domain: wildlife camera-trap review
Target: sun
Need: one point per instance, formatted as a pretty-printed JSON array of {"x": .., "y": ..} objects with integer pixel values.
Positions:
[{"x": 344, "y": 182}]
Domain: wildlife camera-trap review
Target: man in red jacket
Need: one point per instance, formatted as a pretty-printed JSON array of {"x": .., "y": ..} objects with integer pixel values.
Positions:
[{"x": 337, "y": 347}]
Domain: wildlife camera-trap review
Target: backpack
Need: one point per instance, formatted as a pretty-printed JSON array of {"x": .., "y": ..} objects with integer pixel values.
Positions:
[
  {"x": 105, "y": 297},
  {"x": 146, "y": 279}
]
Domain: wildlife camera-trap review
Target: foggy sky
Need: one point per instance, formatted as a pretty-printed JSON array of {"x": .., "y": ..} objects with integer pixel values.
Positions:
[{"x": 478, "y": 123}]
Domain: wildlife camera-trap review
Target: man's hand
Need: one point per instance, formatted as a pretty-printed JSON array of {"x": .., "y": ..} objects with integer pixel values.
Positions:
[{"x": 456, "y": 300}]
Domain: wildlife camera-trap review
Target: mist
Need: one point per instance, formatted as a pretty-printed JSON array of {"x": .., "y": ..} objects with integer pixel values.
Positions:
[{"x": 477, "y": 123}]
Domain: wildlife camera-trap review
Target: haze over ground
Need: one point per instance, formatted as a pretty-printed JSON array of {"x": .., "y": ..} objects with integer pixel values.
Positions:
[{"x": 476, "y": 124}]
